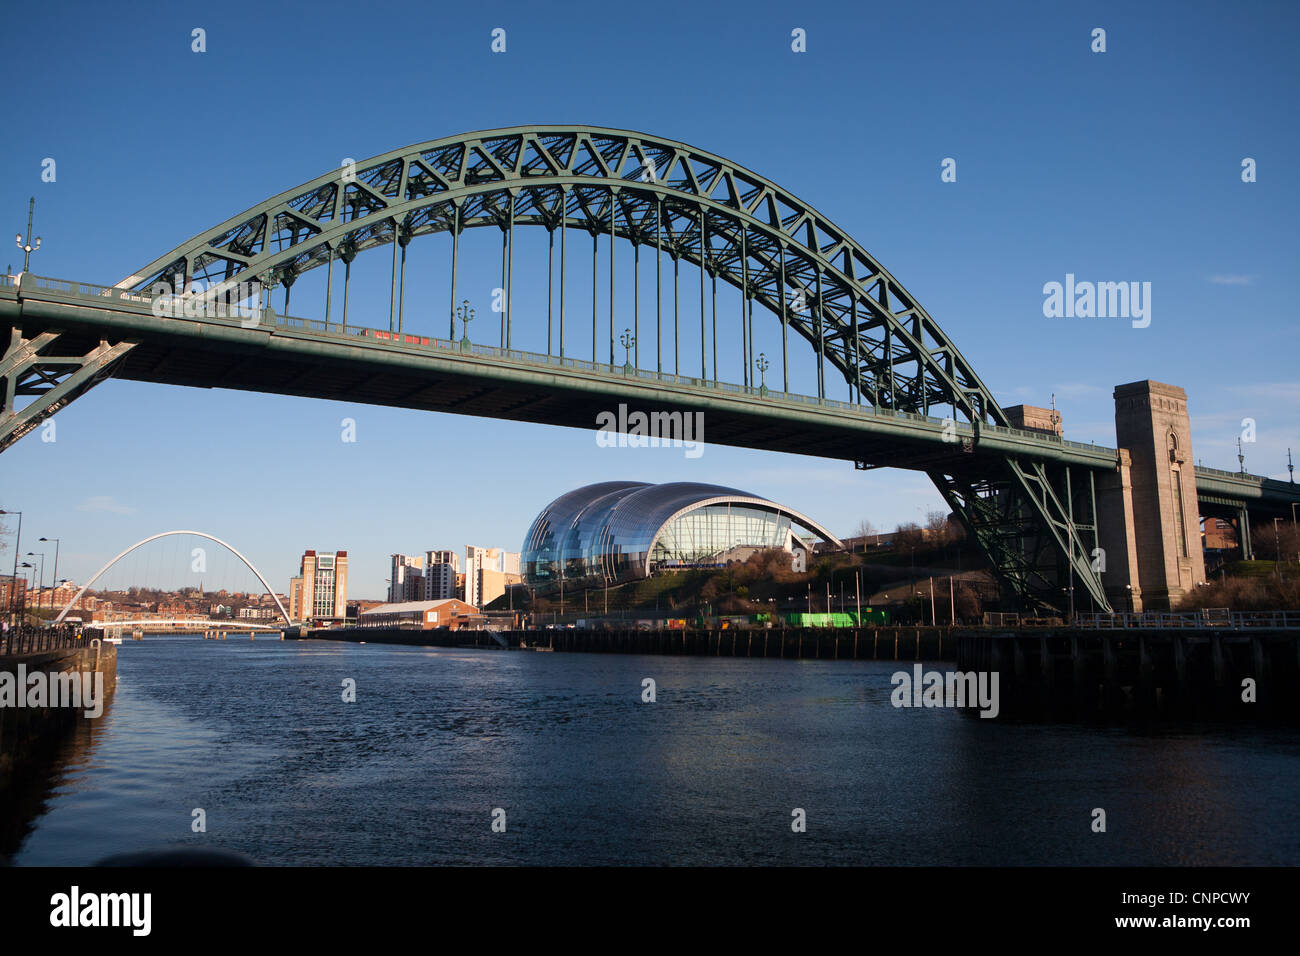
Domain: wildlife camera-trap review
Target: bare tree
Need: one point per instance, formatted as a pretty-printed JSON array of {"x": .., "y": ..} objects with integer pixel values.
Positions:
[
  {"x": 908, "y": 537},
  {"x": 1271, "y": 541}
]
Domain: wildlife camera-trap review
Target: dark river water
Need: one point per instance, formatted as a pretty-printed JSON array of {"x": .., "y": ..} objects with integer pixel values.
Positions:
[{"x": 256, "y": 735}]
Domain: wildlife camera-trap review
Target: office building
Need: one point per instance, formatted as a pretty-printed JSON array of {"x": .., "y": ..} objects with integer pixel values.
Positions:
[{"x": 320, "y": 591}]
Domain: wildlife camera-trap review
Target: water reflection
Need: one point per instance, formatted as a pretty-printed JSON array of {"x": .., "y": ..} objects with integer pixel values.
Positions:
[{"x": 257, "y": 734}]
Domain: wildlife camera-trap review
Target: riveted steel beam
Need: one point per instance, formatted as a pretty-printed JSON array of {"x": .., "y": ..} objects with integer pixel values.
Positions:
[{"x": 30, "y": 368}]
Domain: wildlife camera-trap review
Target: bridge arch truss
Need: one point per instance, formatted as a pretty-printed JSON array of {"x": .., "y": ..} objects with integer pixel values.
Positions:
[{"x": 690, "y": 206}]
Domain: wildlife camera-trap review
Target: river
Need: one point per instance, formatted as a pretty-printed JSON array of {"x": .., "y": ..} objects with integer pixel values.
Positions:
[{"x": 257, "y": 736}]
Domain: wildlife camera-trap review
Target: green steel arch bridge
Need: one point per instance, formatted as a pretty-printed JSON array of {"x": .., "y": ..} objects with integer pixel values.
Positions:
[{"x": 914, "y": 401}]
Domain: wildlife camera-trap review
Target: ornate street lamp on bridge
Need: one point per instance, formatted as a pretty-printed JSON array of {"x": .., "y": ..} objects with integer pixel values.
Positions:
[
  {"x": 466, "y": 315},
  {"x": 628, "y": 340},
  {"x": 27, "y": 247}
]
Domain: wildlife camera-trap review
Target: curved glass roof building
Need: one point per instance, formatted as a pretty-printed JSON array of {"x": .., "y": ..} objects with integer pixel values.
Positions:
[{"x": 617, "y": 531}]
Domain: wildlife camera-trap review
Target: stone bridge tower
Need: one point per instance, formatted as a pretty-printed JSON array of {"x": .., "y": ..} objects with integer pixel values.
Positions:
[{"x": 1149, "y": 511}]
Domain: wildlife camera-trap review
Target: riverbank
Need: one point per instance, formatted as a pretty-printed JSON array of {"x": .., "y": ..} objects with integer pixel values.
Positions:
[
  {"x": 34, "y": 719},
  {"x": 841, "y": 643}
]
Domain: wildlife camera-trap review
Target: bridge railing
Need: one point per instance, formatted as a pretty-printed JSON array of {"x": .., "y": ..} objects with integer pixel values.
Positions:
[
  {"x": 1232, "y": 475},
  {"x": 32, "y": 639},
  {"x": 1209, "y": 617}
]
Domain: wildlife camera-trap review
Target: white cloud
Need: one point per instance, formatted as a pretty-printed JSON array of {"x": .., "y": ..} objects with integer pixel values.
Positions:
[
  {"x": 1078, "y": 390},
  {"x": 105, "y": 503},
  {"x": 1232, "y": 279},
  {"x": 1286, "y": 394}
]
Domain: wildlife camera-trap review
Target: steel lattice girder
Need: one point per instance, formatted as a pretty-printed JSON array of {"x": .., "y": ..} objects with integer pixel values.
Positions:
[
  {"x": 1029, "y": 534},
  {"x": 55, "y": 380},
  {"x": 692, "y": 204}
]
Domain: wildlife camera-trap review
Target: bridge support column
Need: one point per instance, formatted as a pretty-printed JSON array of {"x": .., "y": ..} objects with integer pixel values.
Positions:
[
  {"x": 1116, "y": 536},
  {"x": 1152, "y": 424},
  {"x": 1243, "y": 534}
]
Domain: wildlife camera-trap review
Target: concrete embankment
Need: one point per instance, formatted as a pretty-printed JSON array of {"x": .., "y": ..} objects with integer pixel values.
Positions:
[
  {"x": 1249, "y": 673},
  {"x": 849, "y": 643},
  {"x": 36, "y": 711}
]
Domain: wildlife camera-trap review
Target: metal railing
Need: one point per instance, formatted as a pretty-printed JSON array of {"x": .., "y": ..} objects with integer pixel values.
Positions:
[
  {"x": 1221, "y": 473},
  {"x": 1206, "y": 618},
  {"x": 33, "y": 639}
]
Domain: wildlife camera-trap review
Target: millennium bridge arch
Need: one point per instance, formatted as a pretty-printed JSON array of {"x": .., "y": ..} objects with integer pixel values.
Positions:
[
  {"x": 1029, "y": 499},
  {"x": 164, "y": 534}
]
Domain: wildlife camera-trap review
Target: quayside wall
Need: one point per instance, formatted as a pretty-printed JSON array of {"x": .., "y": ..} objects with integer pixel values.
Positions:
[
  {"x": 28, "y": 734},
  {"x": 1212, "y": 673},
  {"x": 848, "y": 643}
]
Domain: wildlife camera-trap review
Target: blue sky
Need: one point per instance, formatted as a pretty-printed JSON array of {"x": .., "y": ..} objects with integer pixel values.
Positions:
[{"x": 1115, "y": 166}]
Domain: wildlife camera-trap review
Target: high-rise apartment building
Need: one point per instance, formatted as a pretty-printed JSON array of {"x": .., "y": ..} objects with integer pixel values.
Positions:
[
  {"x": 501, "y": 567},
  {"x": 442, "y": 557},
  {"x": 439, "y": 582},
  {"x": 320, "y": 591},
  {"x": 406, "y": 583},
  {"x": 478, "y": 559},
  {"x": 490, "y": 585}
]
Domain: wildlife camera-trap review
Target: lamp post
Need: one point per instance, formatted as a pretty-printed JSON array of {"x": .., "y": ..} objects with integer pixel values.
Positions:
[
  {"x": 54, "y": 576},
  {"x": 40, "y": 596},
  {"x": 763, "y": 365},
  {"x": 26, "y": 564},
  {"x": 1277, "y": 548},
  {"x": 27, "y": 247},
  {"x": 18, "y": 543},
  {"x": 466, "y": 315},
  {"x": 628, "y": 340}
]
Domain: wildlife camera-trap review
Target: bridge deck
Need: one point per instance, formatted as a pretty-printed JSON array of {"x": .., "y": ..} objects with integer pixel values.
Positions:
[
  {"x": 295, "y": 356},
  {"x": 304, "y": 357}
]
